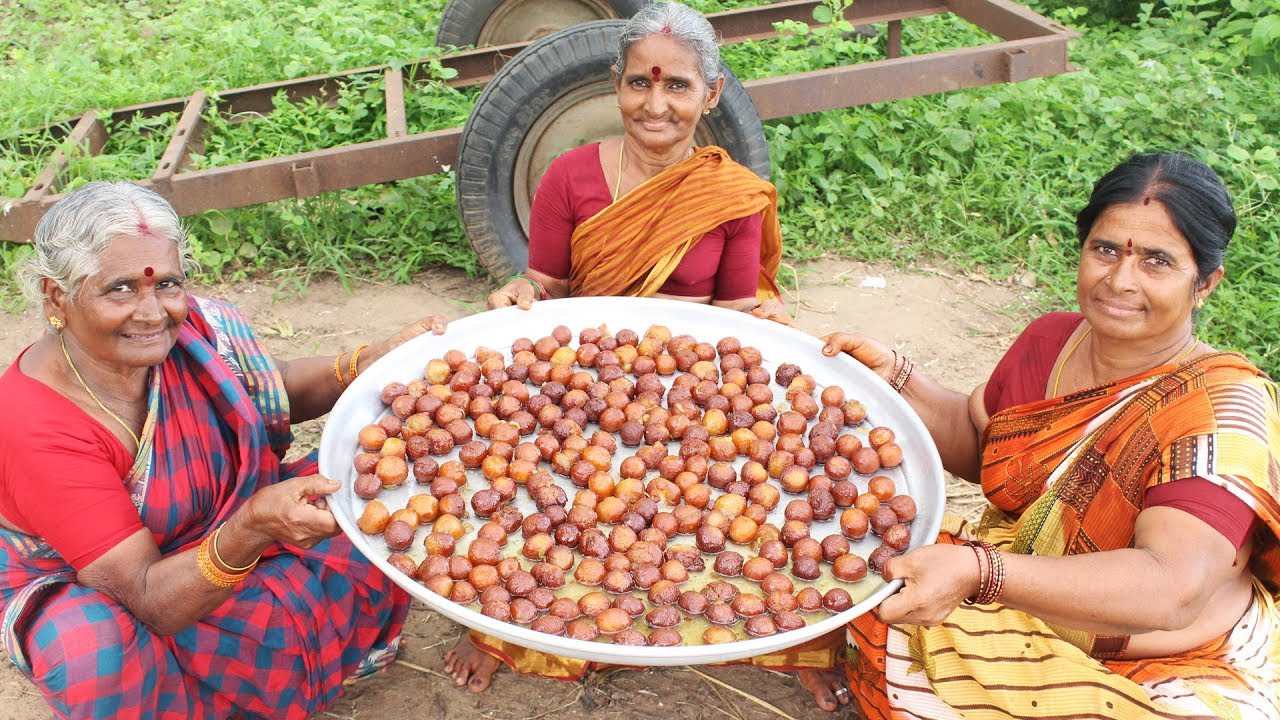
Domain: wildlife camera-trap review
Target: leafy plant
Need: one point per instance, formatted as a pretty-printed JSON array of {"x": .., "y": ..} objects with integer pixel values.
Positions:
[{"x": 986, "y": 179}]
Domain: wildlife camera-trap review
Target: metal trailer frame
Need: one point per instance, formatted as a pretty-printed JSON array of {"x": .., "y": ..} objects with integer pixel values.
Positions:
[{"x": 1032, "y": 46}]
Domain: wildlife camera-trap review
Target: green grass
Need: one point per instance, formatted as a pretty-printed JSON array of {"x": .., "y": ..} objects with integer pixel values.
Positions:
[{"x": 987, "y": 179}]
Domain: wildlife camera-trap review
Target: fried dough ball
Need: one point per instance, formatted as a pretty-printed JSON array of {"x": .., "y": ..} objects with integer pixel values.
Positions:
[
  {"x": 837, "y": 600},
  {"x": 582, "y": 629},
  {"x": 549, "y": 624},
  {"x": 879, "y": 557},
  {"x": 904, "y": 507},
  {"x": 849, "y": 568},
  {"x": 374, "y": 519}
]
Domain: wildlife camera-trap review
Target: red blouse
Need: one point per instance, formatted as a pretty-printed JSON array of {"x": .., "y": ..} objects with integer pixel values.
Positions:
[
  {"x": 1022, "y": 376},
  {"x": 71, "y": 493},
  {"x": 724, "y": 264}
]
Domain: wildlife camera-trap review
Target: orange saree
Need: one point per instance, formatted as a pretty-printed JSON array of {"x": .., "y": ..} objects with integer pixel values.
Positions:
[
  {"x": 632, "y": 246},
  {"x": 1068, "y": 476}
]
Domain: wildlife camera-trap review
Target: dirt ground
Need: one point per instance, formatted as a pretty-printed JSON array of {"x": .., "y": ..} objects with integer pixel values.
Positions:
[{"x": 954, "y": 327}]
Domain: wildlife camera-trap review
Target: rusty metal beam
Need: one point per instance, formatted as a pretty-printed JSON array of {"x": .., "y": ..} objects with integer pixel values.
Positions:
[
  {"x": 478, "y": 66},
  {"x": 1033, "y": 47},
  {"x": 394, "y": 96},
  {"x": 89, "y": 134},
  {"x": 300, "y": 175},
  {"x": 883, "y": 80},
  {"x": 893, "y": 41},
  {"x": 756, "y": 23},
  {"x": 1007, "y": 20},
  {"x": 188, "y": 127}
]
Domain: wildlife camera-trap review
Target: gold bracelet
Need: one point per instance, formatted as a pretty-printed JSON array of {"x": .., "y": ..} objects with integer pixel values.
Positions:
[
  {"x": 355, "y": 357},
  {"x": 337, "y": 371},
  {"x": 211, "y": 572},
  {"x": 213, "y": 543}
]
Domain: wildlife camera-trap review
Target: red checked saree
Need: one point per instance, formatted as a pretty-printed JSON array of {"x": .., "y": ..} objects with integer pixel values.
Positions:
[
  {"x": 282, "y": 645},
  {"x": 1067, "y": 476}
]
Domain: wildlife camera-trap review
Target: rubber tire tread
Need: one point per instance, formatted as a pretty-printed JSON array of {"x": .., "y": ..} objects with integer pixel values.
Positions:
[
  {"x": 517, "y": 96},
  {"x": 462, "y": 20}
]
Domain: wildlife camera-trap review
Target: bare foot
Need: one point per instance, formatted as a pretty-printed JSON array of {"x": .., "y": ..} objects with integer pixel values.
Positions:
[
  {"x": 827, "y": 687},
  {"x": 469, "y": 666}
]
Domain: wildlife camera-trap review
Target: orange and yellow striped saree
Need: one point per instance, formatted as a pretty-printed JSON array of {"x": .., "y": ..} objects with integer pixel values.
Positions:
[
  {"x": 632, "y": 246},
  {"x": 1068, "y": 476}
]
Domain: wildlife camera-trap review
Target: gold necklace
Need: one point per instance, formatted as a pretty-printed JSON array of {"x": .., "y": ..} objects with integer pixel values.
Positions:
[
  {"x": 137, "y": 443},
  {"x": 1057, "y": 378},
  {"x": 618, "y": 183}
]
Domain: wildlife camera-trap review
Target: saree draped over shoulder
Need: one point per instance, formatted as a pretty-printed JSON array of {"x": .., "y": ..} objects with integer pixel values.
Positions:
[
  {"x": 632, "y": 246},
  {"x": 283, "y": 643},
  {"x": 1068, "y": 476}
]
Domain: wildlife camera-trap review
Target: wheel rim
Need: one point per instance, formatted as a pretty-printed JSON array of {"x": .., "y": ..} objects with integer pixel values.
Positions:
[
  {"x": 585, "y": 115},
  {"x": 516, "y": 21}
]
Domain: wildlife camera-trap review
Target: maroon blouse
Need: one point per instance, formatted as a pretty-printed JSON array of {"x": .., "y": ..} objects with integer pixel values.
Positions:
[{"x": 1022, "y": 376}]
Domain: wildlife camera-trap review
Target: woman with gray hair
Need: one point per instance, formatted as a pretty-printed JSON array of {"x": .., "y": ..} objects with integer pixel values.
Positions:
[
  {"x": 157, "y": 557},
  {"x": 649, "y": 214}
]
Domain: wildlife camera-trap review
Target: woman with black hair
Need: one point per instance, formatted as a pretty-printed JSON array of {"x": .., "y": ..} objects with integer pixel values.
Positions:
[{"x": 1127, "y": 565}]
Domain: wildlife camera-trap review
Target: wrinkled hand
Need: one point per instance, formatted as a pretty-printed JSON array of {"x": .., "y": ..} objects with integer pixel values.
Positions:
[
  {"x": 435, "y": 323},
  {"x": 878, "y": 358},
  {"x": 774, "y": 310},
  {"x": 937, "y": 578},
  {"x": 519, "y": 291},
  {"x": 293, "y": 511}
]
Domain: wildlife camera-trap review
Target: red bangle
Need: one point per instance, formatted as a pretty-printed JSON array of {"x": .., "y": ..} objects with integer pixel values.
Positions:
[
  {"x": 990, "y": 573},
  {"x": 542, "y": 289}
]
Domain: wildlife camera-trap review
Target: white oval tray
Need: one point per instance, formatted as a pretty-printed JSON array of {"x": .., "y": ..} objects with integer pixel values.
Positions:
[{"x": 920, "y": 474}]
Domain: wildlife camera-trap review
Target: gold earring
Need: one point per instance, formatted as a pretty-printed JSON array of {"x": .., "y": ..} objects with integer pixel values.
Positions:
[
  {"x": 706, "y": 112},
  {"x": 1199, "y": 302},
  {"x": 56, "y": 323}
]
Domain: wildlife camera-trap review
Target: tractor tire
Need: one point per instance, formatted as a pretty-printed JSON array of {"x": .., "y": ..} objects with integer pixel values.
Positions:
[
  {"x": 502, "y": 22},
  {"x": 554, "y": 96}
]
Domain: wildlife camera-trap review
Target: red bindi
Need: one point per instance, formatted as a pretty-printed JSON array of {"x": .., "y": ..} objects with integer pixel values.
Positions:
[
  {"x": 1146, "y": 200},
  {"x": 1129, "y": 248},
  {"x": 150, "y": 273},
  {"x": 657, "y": 72}
]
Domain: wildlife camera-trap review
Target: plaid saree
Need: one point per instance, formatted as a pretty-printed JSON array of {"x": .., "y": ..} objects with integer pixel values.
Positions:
[
  {"x": 1068, "y": 476},
  {"x": 292, "y": 632},
  {"x": 632, "y": 246}
]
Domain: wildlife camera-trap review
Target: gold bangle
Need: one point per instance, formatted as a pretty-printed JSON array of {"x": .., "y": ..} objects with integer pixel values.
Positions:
[
  {"x": 355, "y": 357},
  {"x": 904, "y": 374},
  {"x": 337, "y": 371},
  {"x": 213, "y": 544},
  {"x": 211, "y": 572}
]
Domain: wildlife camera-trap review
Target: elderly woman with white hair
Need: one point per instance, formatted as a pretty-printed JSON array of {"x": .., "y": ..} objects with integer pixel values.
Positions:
[
  {"x": 157, "y": 556},
  {"x": 649, "y": 214}
]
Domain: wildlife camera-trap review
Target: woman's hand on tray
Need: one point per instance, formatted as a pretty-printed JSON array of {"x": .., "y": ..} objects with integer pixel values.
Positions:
[
  {"x": 293, "y": 511},
  {"x": 936, "y": 579},
  {"x": 870, "y": 352},
  {"x": 517, "y": 291},
  {"x": 774, "y": 310},
  {"x": 436, "y": 324}
]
